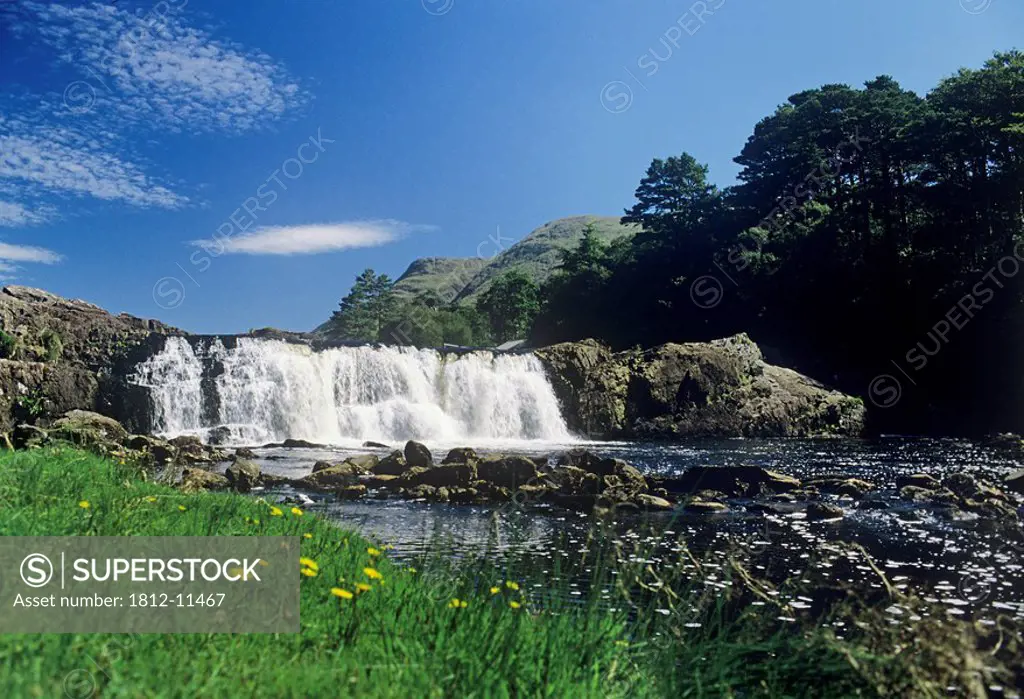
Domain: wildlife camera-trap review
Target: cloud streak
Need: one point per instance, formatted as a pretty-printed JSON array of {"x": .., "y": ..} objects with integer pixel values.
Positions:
[
  {"x": 310, "y": 239},
  {"x": 64, "y": 161},
  {"x": 157, "y": 71},
  {"x": 28, "y": 253},
  {"x": 14, "y": 214}
]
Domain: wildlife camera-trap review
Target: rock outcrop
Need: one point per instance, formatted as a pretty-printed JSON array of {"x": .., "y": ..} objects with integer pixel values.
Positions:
[
  {"x": 60, "y": 354},
  {"x": 719, "y": 388}
]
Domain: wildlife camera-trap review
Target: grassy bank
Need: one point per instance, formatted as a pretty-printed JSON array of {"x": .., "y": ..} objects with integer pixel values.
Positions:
[{"x": 397, "y": 632}]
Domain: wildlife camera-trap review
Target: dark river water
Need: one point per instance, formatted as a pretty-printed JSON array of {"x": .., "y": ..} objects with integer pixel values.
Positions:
[{"x": 974, "y": 568}]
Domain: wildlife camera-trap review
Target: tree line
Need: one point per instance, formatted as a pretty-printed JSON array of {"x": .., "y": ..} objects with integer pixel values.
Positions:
[{"x": 373, "y": 311}]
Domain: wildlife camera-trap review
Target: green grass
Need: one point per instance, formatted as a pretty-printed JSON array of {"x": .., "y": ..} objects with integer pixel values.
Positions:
[{"x": 401, "y": 638}]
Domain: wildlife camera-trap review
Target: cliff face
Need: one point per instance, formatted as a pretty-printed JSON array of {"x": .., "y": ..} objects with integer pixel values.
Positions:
[
  {"x": 720, "y": 388},
  {"x": 61, "y": 354}
]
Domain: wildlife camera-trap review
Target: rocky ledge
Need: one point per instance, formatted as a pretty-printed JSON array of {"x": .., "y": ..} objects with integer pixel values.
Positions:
[
  {"x": 59, "y": 354},
  {"x": 719, "y": 388},
  {"x": 576, "y": 479}
]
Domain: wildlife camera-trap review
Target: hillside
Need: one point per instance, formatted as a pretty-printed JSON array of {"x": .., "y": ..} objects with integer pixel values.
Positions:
[
  {"x": 462, "y": 279},
  {"x": 537, "y": 255},
  {"x": 445, "y": 276}
]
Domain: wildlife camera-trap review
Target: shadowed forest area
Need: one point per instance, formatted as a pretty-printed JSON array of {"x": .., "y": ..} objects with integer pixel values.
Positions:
[{"x": 873, "y": 240}]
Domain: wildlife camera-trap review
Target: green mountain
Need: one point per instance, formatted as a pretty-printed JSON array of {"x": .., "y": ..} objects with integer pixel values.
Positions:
[
  {"x": 537, "y": 255},
  {"x": 445, "y": 276},
  {"x": 463, "y": 279}
]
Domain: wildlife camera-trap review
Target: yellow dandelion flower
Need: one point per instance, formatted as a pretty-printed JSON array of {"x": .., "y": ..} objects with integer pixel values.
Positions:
[
  {"x": 363, "y": 587},
  {"x": 309, "y": 572},
  {"x": 307, "y": 535},
  {"x": 372, "y": 551},
  {"x": 495, "y": 590},
  {"x": 275, "y": 512},
  {"x": 457, "y": 603},
  {"x": 514, "y": 604},
  {"x": 84, "y": 504},
  {"x": 297, "y": 512},
  {"x": 182, "y": 508},
  {"x": 308, "y": 563},
  {"x": 511, "y": 585},
  {"x": 338, "y": 592},
  {"x": 372, "y": 573},
  {"x": 150, "y": 498},
  {"x": 255, "y": 521},
  {"x": 411, "y": 570}
]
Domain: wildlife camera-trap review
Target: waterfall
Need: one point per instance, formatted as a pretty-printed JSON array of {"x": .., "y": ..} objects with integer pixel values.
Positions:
[{"x": 269, "y": 390}]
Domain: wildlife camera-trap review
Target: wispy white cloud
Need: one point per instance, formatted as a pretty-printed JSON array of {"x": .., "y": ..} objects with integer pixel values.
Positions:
[
  {"x": 310, "y": 239},
  {"x": 28, "y": 253},
  {"x": 139, "y": 73},
  {"x": 60, "y": 160},
  {"x": 11, "y": 254},
  {"x": 157, "y": 71},
  {"x": 14, "y": 214}
]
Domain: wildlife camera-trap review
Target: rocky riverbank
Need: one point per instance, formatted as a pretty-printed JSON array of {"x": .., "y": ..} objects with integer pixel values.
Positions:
[
  {"x": 58, "y": 354},
  {"x": 577, "y": 479}
]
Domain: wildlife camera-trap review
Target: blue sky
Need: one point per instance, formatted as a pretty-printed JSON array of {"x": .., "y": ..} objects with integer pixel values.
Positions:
[{"x": 368, "y": 133}]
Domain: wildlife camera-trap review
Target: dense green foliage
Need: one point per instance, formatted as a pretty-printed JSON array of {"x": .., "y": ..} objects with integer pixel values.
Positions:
[
  {"x": 374, "y": 311},
  {"x": 510, "y": 305},
  {"x": 367, "y": 307},
  {"x": 8, "y": 345},
  {"x": 869, "y": 227},
  {"x": 403, "y": 636}
]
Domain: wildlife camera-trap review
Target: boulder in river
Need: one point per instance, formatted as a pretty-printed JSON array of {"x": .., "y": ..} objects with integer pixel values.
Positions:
[
  {"x": 918, "y": 480},
  {"x": 652, "y": 502},
  {"x": 375, "y": 445},
  {"x": 417, "y": 454},
  {"x": 197, "y": 480},
  {"x": 734, "y": 481},
  {"x": 613, "y": 472},
  {"x": 697, "y": 506},
  {"x": 1015, "y": 481},
  {"x": 393, "y": 464},
  {"x": 162, "y": 451},
  {"x": 820, "y": 511},
  {"x": 571, "y": 480},
  {"x": 243, "y": 475},
  {"x": 351, "y": 492},
  {"x": 841, "y": 485},
  {"x": 331, "y": 478},
  {"x": 507, "y": 471},
  {"x": 447, "y": 476},
  {"x": 460, "y": 455}
]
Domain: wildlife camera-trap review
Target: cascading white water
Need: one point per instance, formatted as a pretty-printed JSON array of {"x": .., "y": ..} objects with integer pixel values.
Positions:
[{"x": 269, "y": 390}]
